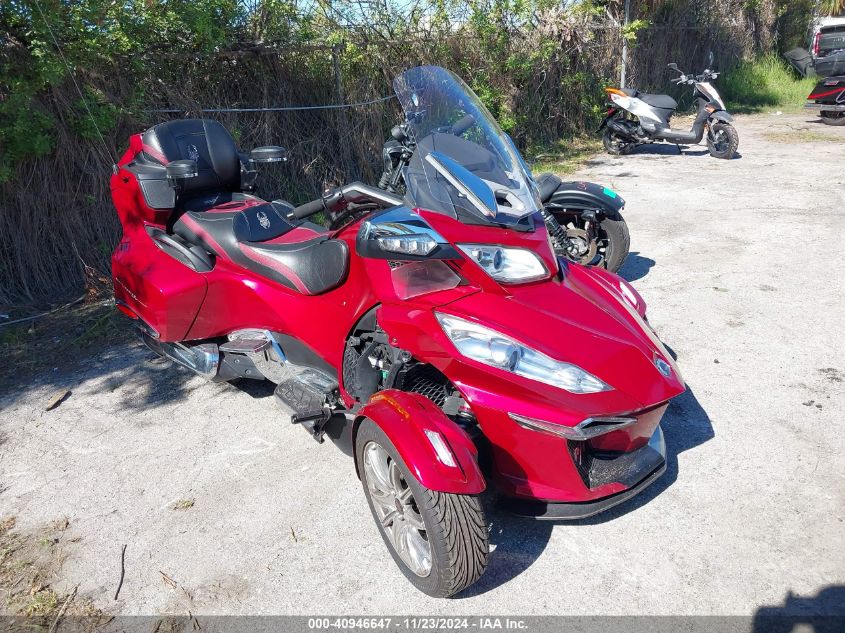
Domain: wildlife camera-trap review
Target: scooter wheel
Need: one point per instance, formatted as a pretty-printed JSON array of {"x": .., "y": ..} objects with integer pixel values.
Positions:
[
  {"x": 438, "y": 540},
  {"x": 722, "y": 140},
  {"x": 615, "y": 144}
]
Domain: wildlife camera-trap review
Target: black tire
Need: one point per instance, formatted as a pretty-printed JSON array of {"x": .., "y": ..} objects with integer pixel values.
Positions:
[
  {"x": 722, "y": 140},
  {"x": 833, "y": 118},
  {"x": 456, "y": 527},
  {"x": 615, "y": 144},
  {"x": 619, "y": 242}
]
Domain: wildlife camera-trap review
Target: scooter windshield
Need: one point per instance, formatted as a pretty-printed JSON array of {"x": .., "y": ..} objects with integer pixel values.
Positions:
[{"x": 464, "y": 164}]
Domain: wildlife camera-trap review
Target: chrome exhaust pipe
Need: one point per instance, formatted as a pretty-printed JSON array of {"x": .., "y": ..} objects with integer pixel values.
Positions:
[{"x": 203, "y": 358}]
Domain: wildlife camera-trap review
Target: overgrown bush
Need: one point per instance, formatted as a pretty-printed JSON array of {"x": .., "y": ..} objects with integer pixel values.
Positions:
[
  {"x": 765, "y": 83},
  {"x": 539, "y": 65}
]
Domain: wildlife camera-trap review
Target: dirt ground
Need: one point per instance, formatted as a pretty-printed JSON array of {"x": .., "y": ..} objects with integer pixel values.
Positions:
[{"x": 227, "y": 508}]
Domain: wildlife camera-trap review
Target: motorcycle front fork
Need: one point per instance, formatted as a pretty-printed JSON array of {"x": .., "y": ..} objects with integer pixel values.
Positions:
[{"x": 560, "y": 236}]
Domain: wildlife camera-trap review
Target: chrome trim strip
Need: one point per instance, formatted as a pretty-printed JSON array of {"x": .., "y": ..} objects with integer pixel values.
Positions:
[{"x": 584, "y": 430}]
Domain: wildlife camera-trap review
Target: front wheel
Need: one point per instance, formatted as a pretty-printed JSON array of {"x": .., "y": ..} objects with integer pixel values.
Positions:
[
  {"x": 833, "y": 118},
  {"x": 439, "y": 540},
  {"x": 722, "y": 140}
]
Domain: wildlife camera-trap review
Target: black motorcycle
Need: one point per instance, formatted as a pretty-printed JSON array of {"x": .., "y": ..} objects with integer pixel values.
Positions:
[{"x": 584, "y": 219}]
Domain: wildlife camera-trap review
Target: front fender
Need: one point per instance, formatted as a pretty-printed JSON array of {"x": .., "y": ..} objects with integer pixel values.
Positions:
[
  {"x": 721, "y": 115},
  {"x": 404, "y": 417},
  {"x": 577, "y": 196}
]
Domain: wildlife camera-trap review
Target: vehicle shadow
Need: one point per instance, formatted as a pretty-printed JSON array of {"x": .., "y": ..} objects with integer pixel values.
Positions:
[
  {"x": 665, "y": 149},
  {"x": 254, "y": 388},
  {"x": 822, "y": 613},
  {"x": 658, "y": 149},
  {"x": 635, "y": 266},
  {"x": 819, "y": 121}
]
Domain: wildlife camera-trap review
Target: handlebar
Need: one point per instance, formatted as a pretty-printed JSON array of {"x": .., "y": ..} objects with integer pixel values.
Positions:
[
  {"x": 355, "y": 192},
  {"x": 308, "y": 209},
  {"x": 691, "y": 79}
]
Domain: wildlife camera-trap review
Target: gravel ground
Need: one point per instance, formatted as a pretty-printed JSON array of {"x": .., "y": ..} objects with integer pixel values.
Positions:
[{"x": 741, "y": 264}]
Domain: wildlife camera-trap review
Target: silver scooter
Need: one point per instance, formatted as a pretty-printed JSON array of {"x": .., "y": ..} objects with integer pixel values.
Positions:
[{"x": 635, "y": 118}]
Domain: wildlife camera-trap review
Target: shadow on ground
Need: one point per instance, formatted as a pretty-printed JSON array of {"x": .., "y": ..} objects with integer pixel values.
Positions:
[
  {"x": 635, "y": 266},
  {"x": 822, "y": 613},
  {"x": 105, "y": 366}
]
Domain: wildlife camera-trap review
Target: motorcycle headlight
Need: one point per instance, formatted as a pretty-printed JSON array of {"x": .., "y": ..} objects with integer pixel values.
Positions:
[
  {"x": 508, "y": 265},
  {"x": 498, "y": 350},
  {"x": 414, "y": 244}
]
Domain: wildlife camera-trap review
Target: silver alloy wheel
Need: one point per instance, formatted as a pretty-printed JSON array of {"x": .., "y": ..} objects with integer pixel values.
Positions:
[{"x": 397, "y": 509}]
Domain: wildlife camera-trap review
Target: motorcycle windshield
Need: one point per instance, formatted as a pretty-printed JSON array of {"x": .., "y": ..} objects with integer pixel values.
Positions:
[{"x": 464, "y": 164}]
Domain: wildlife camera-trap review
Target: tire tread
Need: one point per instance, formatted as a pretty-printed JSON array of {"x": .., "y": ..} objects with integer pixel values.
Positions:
[
  {"x": 465, "y": 532},
  {"x": 733, "y": 139},
  {"x": 617, "y": 232}
]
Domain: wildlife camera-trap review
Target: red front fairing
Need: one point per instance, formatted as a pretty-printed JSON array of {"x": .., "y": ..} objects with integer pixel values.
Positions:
[{"x": 576, "y": 316}]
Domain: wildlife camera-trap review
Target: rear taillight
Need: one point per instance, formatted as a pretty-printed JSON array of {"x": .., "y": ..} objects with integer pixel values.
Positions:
[{"x": 816, "y": 39}]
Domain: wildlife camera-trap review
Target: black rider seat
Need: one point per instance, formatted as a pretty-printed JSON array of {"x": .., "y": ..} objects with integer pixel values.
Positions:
[
  {"x": 664, "y": 102},
  {"x": 213, "y": 212},
  {"x": 300, "y": 257},
  {"x": 547, "y": 183}
]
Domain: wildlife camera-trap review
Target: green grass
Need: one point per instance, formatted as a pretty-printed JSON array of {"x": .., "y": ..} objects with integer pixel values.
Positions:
[
  {"x": 764, "y": 84},
  {"x": 565, "y": 156}
]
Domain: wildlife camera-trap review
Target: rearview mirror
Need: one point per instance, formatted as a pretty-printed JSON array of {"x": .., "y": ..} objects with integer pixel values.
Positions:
[
  {"x": 269, "y": 154},
  {"x": 710, "y": 59},
  {"x": 674, "y": 66},
  {"x": 181, "y": 169}
]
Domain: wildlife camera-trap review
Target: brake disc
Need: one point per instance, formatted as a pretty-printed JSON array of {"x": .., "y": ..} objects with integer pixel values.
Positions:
[{"x": 579, "y": 246}]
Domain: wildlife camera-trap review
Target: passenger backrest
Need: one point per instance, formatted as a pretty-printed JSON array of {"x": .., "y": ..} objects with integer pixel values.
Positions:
[{"x": 202, "y": 140}]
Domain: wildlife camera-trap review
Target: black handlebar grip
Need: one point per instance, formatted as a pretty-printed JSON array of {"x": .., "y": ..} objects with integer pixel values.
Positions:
[
  {"x": 308, "y": 209},
  {"x": 463, "y": 124}
]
